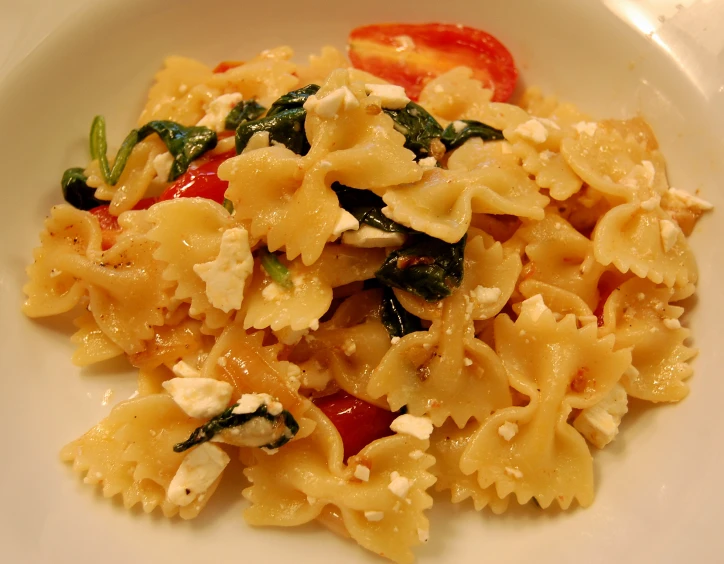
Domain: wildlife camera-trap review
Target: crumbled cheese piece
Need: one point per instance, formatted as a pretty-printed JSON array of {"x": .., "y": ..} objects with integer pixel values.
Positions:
[
  {"x": 419, "y": 427},
  {"x": 350, "y": 347},
  {"x": 652, "y": 203},
  {"x": 549, "y": 123},
  {"x": 428, "y": 162},
  {"x": 547, "y": 155},
  {"x": 395, "y": 340},
  {"x": 221, "y": 361},
  {"x": 587, "y": 319},
  {"x": 332, "y": 103},
  {"x": 508, "y": 430},
  {"x": 345, "y": 222},
  {"x": 649, "y": 172},
  {"x": 183, "y": 369},
  {"x": 198, "y": 471},
  {"x": 361, "y": 472},
  {"x": 287, "y": 336},
  {"x": 368, "y": 237},
  {"x": 671, "y": 323},
  {"x": 689, "y": 200},
  {"x": 423, "y": 535},
  {"x": 374, "y": 515},
  {"x": 55, "y": 272},
  {"x": 226, "y": 275},
  {"x": 599, "y": 423},
  {"x": 458, "y": 125},
  {"x": 587, "y": 127},
  {"x": 249, "y": 403},
  {"x": 260, "y": 140},
  {"x": 218, "y": 110},
  {"x": 514, "y": 472},
  {"x": 404, "y": 43},
  {"x": 393, "y": 97},
  {"x": 314, "y": 324},
  {"x": 202, "y": 398},
  {"x": 399, "y": 485},
  {"x": 534, "y": 306},
  {"x": 669, "y": 234},
  {"x": 272, "y": 292},
  {"x": 533, "y": 130},
  {"x": 270, "y": 451},
  {"x": 467, "y": 362},
  {"x": 480, "y": 296},
  {"x": 162, "y": 165},
  {"x": 416, "y": 454}
]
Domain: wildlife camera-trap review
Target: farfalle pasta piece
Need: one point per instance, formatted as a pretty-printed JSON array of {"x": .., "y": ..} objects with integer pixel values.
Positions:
[
  {"x": 646, "y": 242},
  {"x": 640, "y": 316},
  {"x": 92, "y": 344},
  {"x": 130, "y": 453},
  {"x": 170, "y": 343},
  {"x": 321, "y": 66},
  {"x": 443, "y": 202},
  {"x": 447, "y": 444},
  {"x": 68, "y": 233},
  {"x": 455, "y": 94},
  {"x": 533, "y": 451},
  {"x": 560, "y": 301},
  {"x": 294, "y": 486}
]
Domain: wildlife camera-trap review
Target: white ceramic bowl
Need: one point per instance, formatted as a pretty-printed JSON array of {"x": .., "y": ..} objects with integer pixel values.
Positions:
[{"x": 659, "y": 494}]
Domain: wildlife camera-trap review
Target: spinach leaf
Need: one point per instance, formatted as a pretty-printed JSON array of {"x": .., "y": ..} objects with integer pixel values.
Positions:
[
  {"x": 275, "y": 269},
  {"x": 228, "y": 420},
  {"x": 366, "y": 207},
  {"x": 246, "y": 110},
  {"x": 418, "y": 127},
  {"x": 77, "y": 192},
  {"x": 228, "y": 205},
  {"x": 286, "y": 127},
  {"x": 292, "y": 100},
  {"x": 453, "y": 138},
  {"x": 426, "y": 267},
  {"x": 99, "y": 150},
  {"x": 396, "y": 319},
  {"x": 184, "y": 143}
]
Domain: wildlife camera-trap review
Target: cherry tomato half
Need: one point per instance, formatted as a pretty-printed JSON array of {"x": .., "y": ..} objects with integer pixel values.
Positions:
[
  {"x": 200, "y": 182},
  {"x": 358, "y": 422},
  {"x": 109, "y": 222},
  {"x": 411, "y": 55}
]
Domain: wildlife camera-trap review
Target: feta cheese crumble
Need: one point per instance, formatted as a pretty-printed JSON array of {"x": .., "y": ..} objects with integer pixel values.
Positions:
[
  {"x": 416, "y": 454},
  {"x": 395, "y": 340},
  {"x": 162, "y": 165},
  {"x": 374, "y": 516},
  {"x": 508, "y": 430},
  {"x": 482, "y": 296},
  {"x": 399, "y": 485},
  {"x": 361, "y": 472},
  {"x": 345, "y": 222},
  {"x": 428, "y": 162},
  {"x": 533, "y": 130},
  {"x": 272, "y": 292},
  {"x": 418, "y": 427},
  {"x": 669, "y": 234},
  {"x": 534, "y": 307},
  {"x": 514, "y": 472},
  {"x": 586, "y": 127},
  {"x": 599, "y": 423},
  {"x": 689, "y": 200},
  {"x": 467, "y": 362},
  {"x": 260, "y": 140},
  {"x": 249, "y": 403},
  {"x": 218, "y": 110},
  {"x": 198, "y": 471},
  {"x": 393, "y": 97},
  {"x": 368, "y": 237},
  {"x": 651, "y": 204},
  {"x": 183, "y": 369},
  {"x": 458, "y": 126},
  {"x": 226, "y": 275},
  {"x": 331, "y": 104},
  {"x": 202, "y": 398},
  {"x": 349, "y": 348}
]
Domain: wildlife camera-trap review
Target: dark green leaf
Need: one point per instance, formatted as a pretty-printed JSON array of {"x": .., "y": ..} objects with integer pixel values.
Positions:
[
  {"x": 99, "y": 146},
  {"x": 275, "y": 269},
  {"x": 418, "y": 127},
  {"x": 228, "y": 419},
  {"x": 292, "y": 100},
  {"x": 453, "y": 137},
  {"x": 228, "y": 205},
  {"x": 77, "y": 192},
  {"x": 285, "y": 127},
  {"x": 396, "y": 319},
  {"x": 426, "y": 267},
  {"x": 366, "y": 207},
  {"x": 184, "y": 143},
  {"x": 246, "y": 110}
]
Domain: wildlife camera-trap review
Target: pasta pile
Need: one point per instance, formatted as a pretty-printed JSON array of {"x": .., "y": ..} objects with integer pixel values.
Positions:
[{"x": 573, "y": 255}]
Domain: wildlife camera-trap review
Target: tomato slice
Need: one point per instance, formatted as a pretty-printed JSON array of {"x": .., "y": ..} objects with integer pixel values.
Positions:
[
  {"x": 411, "y": 55},
  {"x": 109, "y": 222},
  {"x": 224, "y": 66},
  {"x": 200, "y": 182},
  {"x": 358, "y": 422}
]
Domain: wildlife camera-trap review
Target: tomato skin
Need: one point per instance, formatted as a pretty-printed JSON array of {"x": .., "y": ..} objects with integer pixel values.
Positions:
[
  {"x": 224, "y": 66},
  {"x": 358, "y": 422},
  {"x": 109, "y": 222},
  {"x": 200, "y": 182},
  {"x": 435, "y": 49}
]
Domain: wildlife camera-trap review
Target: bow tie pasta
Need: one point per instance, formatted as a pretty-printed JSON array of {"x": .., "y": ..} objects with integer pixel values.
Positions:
[{"x": 359, "y": 296}]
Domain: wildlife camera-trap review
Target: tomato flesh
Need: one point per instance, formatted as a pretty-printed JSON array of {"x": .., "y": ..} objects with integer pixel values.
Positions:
[
  {"x": 411, "y": 55},
  {"x": 358, "y": 422},
  {"x": 200, "y": 182}
]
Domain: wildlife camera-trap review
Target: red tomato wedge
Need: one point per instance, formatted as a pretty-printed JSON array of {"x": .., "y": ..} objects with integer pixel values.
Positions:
[
  {"x": 224, "y": 66},
  {"x": 410, "y": 55},
  {"x": 358, "y": 422},
  {"x": 109, "y": 222},
  {"x": 200, "y": 182}
]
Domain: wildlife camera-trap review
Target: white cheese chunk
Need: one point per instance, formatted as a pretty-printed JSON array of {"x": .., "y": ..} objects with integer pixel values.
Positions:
[
  {"x": 349, "y": 347},
  {"x": 547, "y": 155},
  {"x": 586, "y": 127},
  {"x": 260, "y": 140},
  {"x": 671, "y": 323},
  {"x": 652, "y": 203},
  {"x": 198, "y": 471},
  {"x": 508, "y": 430},
  {"x": 534, "y": 307},
  {"x": 428, "y": 162},
  {"x": 689, "y": 200},
  {"x": 273, "y": 292},
  {"x": 480, "y": 296},
  {"x": 218, "y": 110},
  {"x": 367, "y": 237},
  {"x": 648, "y": 172},
  {"x": 226, "y": 275},
  {"x": 416, "y": 454},
  {"x": 162, "y": 165},
  {"x": 533, "y": 130},
  {"x": 467, "y": 362},
  {"x": 374, "y": 516},
  {"x": 345, "y": 222},
  {"x": 330, "y": 105},
  {"x": 202, "y": 398},
  {"x": 399, "y": 485},
  {"x": 599, "y": 423},
  {"x": 361, "y": 472},
  {"x": 393, "y": 97},
  {"x": 514, "y": 472},
  {"x": 395, "y": 340},
  {"x": 669, "y": 234},
  {"x": 249, "y": 403},
  {"x": 419, "y": 427},
  {"x": 459, "y": 126},
  {"x": 183, "y": 369}
]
